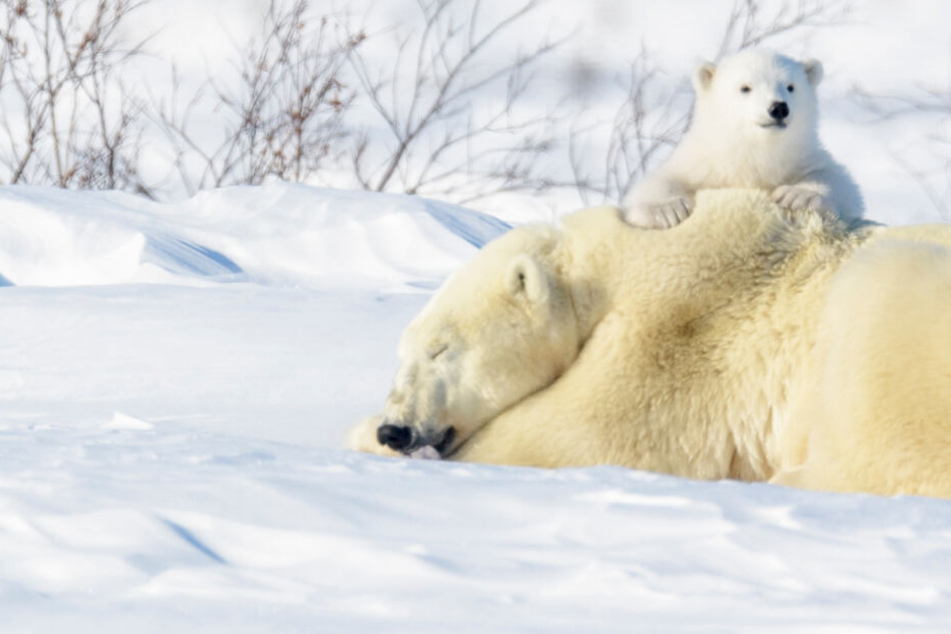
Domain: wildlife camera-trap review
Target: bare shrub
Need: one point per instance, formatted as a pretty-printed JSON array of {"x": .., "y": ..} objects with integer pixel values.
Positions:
[
  {"x": 646, "y": 124},
  {"x": 930, "y": 167},
  {"x": 67, "y": 118},
  {"x": 456, "y": 122},
  {"x": 755, "y": 22},
  {"x": 284, "y": 116}
]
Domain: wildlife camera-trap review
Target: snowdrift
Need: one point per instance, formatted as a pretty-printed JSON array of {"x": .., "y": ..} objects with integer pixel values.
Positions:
[{"x": 279, "y": 234}]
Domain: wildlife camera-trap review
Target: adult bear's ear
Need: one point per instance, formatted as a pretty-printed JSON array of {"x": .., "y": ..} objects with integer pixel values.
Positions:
[
  {"x": 525, "y": 277},
  {"x": 813, "y": 68},
  {"x": 703, "y": 76}
]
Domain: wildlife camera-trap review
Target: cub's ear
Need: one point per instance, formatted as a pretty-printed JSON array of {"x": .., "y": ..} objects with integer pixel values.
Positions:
[
  {"x": 525, "y": 277},
  {"x": 813, "y": 68},
  {"x": 703, "y": 76}
]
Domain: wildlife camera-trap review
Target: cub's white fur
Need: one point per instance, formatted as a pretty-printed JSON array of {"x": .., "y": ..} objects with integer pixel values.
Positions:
[{"x": 734, "y": 141}]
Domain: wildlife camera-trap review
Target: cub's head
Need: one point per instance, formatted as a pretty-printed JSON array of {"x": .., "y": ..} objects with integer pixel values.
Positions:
[
  {"x": 500, "y": 329},
  {"x": 758, "y": 92}
]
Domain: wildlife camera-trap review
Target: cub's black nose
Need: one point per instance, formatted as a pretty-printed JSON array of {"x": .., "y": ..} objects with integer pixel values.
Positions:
[
  {"x": 396, "y": 437},
  {"x": 778, "y": 110}
]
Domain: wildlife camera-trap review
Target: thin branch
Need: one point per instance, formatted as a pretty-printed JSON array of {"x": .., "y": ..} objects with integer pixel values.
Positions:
[{"x": 438, "y": 116}]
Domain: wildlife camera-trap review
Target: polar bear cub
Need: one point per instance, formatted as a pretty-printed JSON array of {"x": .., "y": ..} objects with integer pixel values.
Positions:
[{"x": 754, "y": 125}]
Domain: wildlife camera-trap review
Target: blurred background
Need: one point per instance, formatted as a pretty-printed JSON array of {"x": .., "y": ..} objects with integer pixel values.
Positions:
[{"x": 524, "y": 109}]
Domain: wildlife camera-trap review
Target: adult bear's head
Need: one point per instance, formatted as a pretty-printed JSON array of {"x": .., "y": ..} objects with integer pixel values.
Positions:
[{"x": 500, "y": 329}]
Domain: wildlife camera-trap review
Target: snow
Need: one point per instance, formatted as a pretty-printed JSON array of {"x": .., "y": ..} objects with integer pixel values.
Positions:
[
  {"x": 274, "y": 235},
  {"x": 175, "y": 386},
  {"x": 254, "y": 536}
]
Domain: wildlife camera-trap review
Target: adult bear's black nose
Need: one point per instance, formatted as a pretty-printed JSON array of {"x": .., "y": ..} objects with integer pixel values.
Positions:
[
  {"x": 396, "y": 437},
  {"x": 779, "y": 110}
]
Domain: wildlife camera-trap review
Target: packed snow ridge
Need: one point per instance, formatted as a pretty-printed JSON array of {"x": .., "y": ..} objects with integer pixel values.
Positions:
[{"x": 281, "y": 234}]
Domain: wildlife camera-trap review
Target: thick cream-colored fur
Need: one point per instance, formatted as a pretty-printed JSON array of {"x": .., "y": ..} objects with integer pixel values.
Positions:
[
  {"x": 875, "y": 412},
  {"x": 739, "y": 344}
]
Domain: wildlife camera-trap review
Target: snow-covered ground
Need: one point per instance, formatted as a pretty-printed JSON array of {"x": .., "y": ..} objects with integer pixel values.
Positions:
[{"x": 175, "y": 384}]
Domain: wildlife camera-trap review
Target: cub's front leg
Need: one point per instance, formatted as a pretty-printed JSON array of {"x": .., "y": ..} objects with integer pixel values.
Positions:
[
  {"x": 805, "y": 197},
  {"x": 827, "y": 189},
  {"x": 658, "y": 202}
]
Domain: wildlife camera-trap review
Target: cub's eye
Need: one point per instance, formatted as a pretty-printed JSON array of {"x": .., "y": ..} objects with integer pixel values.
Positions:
[
  {"x": 435, "y": 352},
  {"x": 745, "y": 89},
  {"x": 790, "y": 88}
]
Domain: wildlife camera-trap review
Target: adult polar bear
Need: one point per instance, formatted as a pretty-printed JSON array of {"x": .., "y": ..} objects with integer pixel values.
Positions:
[{"x": 739, "y": 344}]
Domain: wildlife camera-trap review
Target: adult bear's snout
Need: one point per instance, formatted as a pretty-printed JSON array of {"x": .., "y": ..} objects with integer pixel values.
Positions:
[
  {"x": 396, "y": 437},
  {"x": 778, "y": 110}
]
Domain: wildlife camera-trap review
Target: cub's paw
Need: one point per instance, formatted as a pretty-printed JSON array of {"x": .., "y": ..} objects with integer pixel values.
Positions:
[
  {"x": 799, "y": 199},
  {"x": 661, "y": 215},
  {"x": 363, "y": 438}
]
